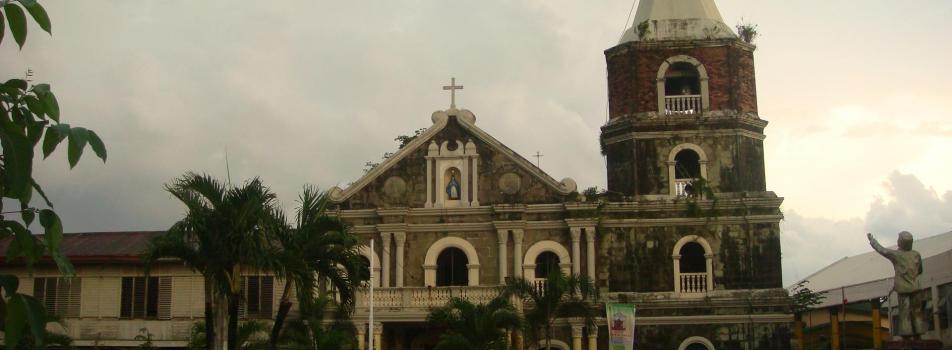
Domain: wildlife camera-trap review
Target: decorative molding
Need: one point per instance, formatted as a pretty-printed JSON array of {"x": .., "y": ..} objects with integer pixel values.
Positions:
[
  {"x": 696, "y": 340},
  {"x": 432, "y": 253}
]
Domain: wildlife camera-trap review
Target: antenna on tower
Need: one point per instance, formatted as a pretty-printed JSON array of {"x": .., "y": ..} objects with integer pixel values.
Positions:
[{"x": 29, "y": 75}]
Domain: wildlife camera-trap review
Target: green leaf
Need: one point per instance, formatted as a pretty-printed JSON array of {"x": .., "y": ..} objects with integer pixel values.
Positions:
[
  {"x": 35, "y": 106},
  {"x": 18, "y": 84},
  {"x": 54, "y": 135},
  {"x": 23, "y": 243},
  {"x": 17, "y": 159},
  {"x": 41, "y": 89},
  {"x": 96, "y": 143},
  {"x": 2, "y": 27},
  {"x": 15, "y": 321},
  {"x": 77, "y": 141},
  {"x": 54, "y": 229},
  {"x": 39, "y": 14},
  {"x": 52, "y": 107},
  {"x": 34, "y": 132},
  {"x": 26, "y": 213},
  {"x": 65, "y": 267},
  {"x": 10, "y": 283},
  {"x": 39, "y": 190},
  {"x": 36, "y": 316},
  {"x": 17, "y": 22}
]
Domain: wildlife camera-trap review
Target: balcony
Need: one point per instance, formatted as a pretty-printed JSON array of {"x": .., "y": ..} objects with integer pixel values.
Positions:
[
  {"x": 693, "y": 283},
  {"x": 680, "y": 187},
  {"x": 682, "y": 104},
  {"x": 424, "y": 297}
]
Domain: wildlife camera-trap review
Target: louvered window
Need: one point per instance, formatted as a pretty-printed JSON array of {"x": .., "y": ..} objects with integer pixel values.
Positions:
[
  {"x": 148, "y": 298},
  {"x": 258, "y": 297},
  {"x": 60, "y": 295}
]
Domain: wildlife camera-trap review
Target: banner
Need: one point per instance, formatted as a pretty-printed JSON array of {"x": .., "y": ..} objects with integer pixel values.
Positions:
[{"x": 621, "y": 326}]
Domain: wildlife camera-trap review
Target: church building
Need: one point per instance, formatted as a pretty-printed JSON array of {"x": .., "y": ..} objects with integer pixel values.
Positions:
[{"x": 687, "y": 230}]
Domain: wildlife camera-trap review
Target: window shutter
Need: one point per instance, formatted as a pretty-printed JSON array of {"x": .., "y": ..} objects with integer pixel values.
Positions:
[
  {"x": 39, "y": 288},
  {"x": 242, "y": 309},
  {"x": 138, "y": 297},
  {"x": 152, "y": 298},
  {"x": 165, "y": 298},
  {"x": 253, "y": 295},
  {"x": 62, "y": 297},
  {"x": 267, "y": 296},
  {"x": 75, "y": 290},
  {"x": 125, "y": 306}
]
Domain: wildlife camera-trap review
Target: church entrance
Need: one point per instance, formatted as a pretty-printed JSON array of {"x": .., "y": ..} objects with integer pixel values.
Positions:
[{"x": 451, "y": 269}]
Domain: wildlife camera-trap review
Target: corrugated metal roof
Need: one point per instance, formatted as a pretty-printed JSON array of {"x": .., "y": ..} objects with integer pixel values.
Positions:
[
  {"x": 104, "y": 245},
  {"x": 870, "y": 275}
]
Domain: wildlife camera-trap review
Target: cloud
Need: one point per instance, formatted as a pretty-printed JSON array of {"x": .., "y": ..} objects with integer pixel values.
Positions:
[
  {"x": 910, "y": 206},
  {"x": 811, "y": 243}
]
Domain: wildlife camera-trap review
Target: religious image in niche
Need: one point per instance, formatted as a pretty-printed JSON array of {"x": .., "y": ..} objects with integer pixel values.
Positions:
[{"x": 452, "y": 186}]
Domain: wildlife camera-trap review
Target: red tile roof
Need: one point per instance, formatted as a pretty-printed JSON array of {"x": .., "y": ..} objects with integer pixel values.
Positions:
[{"x": 101, "y": 246}]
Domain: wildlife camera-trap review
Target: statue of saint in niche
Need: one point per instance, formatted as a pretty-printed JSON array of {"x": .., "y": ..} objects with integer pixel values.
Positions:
[
  {"x": 452, "y": 187},
  {"x": 908, "y": 266}
]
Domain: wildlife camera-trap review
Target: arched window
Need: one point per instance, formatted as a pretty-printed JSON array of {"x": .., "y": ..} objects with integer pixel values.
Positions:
[
  {"x": 545, "y": 264},
  {"x": 682, "y": 86},
  {"x": 451, "y": 269},
  {"x": 693, "y": 266},
  {"x": 682, "y": 79},
  {"x": 696, "y": 346},
  {"x": 692, "y": 258},
  {"x": 686, "y": 164}
]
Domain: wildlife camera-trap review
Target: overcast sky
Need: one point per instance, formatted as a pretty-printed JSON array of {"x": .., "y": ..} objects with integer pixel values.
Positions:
[{"x": 857, "y": 95}]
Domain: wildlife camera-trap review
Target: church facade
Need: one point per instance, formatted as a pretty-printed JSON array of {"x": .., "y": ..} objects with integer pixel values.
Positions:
[{"x": 687, "y": 230}]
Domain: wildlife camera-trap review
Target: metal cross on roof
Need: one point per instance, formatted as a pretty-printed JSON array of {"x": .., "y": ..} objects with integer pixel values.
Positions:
[
  {"x": 453, "y": 87},
  {"x": 538, "y": 157}
]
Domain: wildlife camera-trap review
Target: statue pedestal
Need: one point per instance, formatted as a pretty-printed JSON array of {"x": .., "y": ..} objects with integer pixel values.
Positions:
[{"x": 914, "y": 345}]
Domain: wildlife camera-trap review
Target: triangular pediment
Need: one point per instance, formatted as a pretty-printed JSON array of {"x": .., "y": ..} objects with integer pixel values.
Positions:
[{"x": 424, "y": 172}]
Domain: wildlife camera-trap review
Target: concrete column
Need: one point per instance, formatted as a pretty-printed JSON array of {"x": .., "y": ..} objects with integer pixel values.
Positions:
[
  {"x": 677, "y": 273},
  {"x": 517, "y": 236},
  {"x": 503, "y": 237},
  {"x": 576, "y": 336},
  {"x": 429, "y": 183},
  {"x": 593, "y": 338},
  {"x": 590, "y": 252},
  {"x": 399, "y": 238},
  {"x": 576, "y": 233},
  {"x": 378, "y": 336},
  {"x": 385, "y": 238},
  {"x": 834, "y": 330},
  {"x": 475, "y": 181},
  {"x": 877, "y": 321},
  {"x": 361, "y": 334}
]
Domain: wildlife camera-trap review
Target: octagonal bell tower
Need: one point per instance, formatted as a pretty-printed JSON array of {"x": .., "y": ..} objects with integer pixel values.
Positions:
[{"x": 682, "y": 104}]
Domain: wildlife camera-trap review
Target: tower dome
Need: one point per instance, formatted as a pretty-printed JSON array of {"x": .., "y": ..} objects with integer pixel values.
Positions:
[{"x": 677, "y": 20}]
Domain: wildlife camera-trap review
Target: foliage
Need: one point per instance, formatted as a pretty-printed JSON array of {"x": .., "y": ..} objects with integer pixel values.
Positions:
[
  {"x": 146, "y": 338},
  {"x": 30, "y": 117},
  {"x": 557, "y": 296},
  {"x": 57, "y": 340},
  {"x": 404, "y": 140},
  {"x": 747, "y": 31},
  {"x": 644, "y": 30},
  {"x": 475, "y": 326},
  {"x": 318, "y": 247},
  {"x": 310, "y": 332},
  {"x": 700, "y": 189},
  {"x": 251, "y": 335},
  {"x": 225, "y": 231},
  {"x": 803, "y": 297}
]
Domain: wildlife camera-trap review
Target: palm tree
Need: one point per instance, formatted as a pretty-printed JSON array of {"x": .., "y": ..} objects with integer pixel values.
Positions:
[
  {"x": 319, "y": 245},
  {"x": 225, "y": 230},
  {"x": 310, "y": 332},
  {"x": 475, "y": 326},
  {"x": 250, "y": 336},
  {"x": 557, "y": 296}
]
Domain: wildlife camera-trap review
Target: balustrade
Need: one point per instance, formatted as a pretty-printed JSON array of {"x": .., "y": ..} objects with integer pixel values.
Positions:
[
  {"x": 682, "y": 104},
  {"x": 693, "y": 283}
]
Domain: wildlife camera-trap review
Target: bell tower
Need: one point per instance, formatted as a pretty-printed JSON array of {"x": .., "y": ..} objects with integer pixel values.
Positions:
[{"x": 682, "y": 105}]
